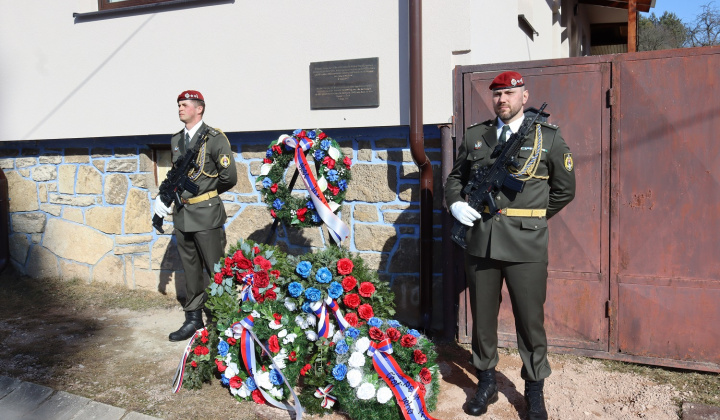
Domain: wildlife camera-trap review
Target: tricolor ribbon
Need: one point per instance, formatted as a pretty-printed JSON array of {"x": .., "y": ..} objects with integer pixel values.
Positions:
[
  {"x": 337, "y": 228},
  {"x": 247, "y": 351},
  {"x": 320, "y": 308},
  {"x": 411, "y": 402},
  {"x": 327, "y": 400},
  {"x": 248, "y": 281},
  {"x": 180, "y": 371}
]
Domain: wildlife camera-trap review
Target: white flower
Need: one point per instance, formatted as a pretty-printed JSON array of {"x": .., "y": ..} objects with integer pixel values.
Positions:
[
  {"x": 337, "y": 336},
  {"x": 274, "y": 325},
  {"x": 301, "y": 322},
  {"x": 265, "y": 168},
  {"x": 333, "y": 206},
  {"x": 333, "y": 153},
  {"x": 357, "y": 359},
  {"x": 290, "y": 338},
  {"x": 276, "y": 392},
  {"x": 255, "y": 314},
  {"x": 279, "y": 359},
  {"x": 290, "y": 305},
  {"x": 362, "y": 344},
  {"x": 282, "y": 333},
  {"x": 231, "y": 370},
  {"x": 311, "y": 335},
  {"x": 384, "y": 394},
  {"x": 366, "y": 391},
  {"x": 262, "y": 379},
  {"x": 311, "y": 319},
  {"x": 331, "y": 330},
  {"x": 322, "y": 183},
  {"x": 354, "y": 377},
  {"x": 242, "y": 392}
]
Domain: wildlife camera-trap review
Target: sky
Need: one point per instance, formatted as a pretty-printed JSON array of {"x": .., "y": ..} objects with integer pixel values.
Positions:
[{"x": 686, "y": 10}]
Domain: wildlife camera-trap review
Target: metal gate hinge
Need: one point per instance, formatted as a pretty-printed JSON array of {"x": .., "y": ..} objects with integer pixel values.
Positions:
[
  {"x": 610, "y": 97},
  {"x": 608, "y": 309}
]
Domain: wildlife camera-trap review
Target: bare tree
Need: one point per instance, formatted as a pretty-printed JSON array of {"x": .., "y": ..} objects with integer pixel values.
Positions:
[
  {"x": 706, "y": 28},
  {"x": 660, "y": 33}
]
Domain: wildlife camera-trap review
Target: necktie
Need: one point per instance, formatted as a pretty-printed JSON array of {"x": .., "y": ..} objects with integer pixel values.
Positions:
[
  {"x": 187, "y": 140},
  {"x": 503, "y": 134}
]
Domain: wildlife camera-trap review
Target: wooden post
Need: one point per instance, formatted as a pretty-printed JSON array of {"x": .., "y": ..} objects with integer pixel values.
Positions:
[{"x": 632, "y": 26}]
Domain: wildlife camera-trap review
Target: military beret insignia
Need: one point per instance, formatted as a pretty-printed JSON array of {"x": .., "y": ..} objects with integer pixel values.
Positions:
[
  {"x": 568, "y": 162},
  {"x": 224, "y": 161}
]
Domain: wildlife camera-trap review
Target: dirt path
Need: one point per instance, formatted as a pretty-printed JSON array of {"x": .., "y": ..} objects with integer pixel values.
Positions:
[{"x": 123, "y": 358}]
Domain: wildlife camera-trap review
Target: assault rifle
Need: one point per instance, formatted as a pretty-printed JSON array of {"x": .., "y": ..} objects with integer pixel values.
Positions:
[
  {"x": 177, "y": 180},
  {"x": 485, "y": 183}
]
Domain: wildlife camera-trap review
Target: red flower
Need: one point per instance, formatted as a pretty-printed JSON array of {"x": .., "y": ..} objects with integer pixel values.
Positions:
[
  {"x": 267, "y": 160},
  {"x": 351, "y": 318},
  {"x": 333, "y": 189},
  {"x": 262, "y": 280},
  {"x": 220, "y": 366},
  {"x": 366, "y": 289},
  {"x": 421, "y": 390},
  {"x": 270, "y": 295},
  {"x": 273, "y": 344},
  {"x": 204, "y": 333},
  {"x": 301, "y": 214},
  {"x": 231, "y": 341},
  {"x": 262, "y": 262},
  {"x": 257, "y": 397},
  {"x": 201, "y": 350},
  {"x": 347, "y": 161},
  {"x": 322, "y": 136},
  {"x": 425, "y": 375},
  {"x": 305, "y": 369},
  {"x": 226, "y": 271},
  {"x": 204, "y": 340},
  {"x": 276, "y": 148},
  {"x": 259, "y": 298},
  {"x": 228, "y": 261},
  {"x": 274, "y": 188},
  {"x": 235, "y": 382},
  {"x": 352, "y": 300},
  {"x": 329, "y": 162},
  {"x": 349, "y": 283},
  {"x": 218, "y": 278},
  {"x": 302, "y": 134},
  {"x": 275, "y": 273},
  {"x": 344, "y": 266},
  {"x": 256, "y": 250},
  {"x": 408, "y": 340},
  {"x": 272, "y": 213},
  {"x": 278, "y": 318},
  {"x": 193, "y": 364},
  {"x": 419, "y": 357},
  {"x": 242, "y": 262},
  {"x": 292, "y": 357},
  {"x": 366, "y": 311},
  {"x": 376, "y": 334},
  {"x": 393, "y": 334}
]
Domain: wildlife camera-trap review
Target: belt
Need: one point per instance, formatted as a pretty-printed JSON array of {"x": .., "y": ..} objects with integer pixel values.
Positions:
[
  {"x": 520, "y": 212},
  {"x": 200, "y": 198}
]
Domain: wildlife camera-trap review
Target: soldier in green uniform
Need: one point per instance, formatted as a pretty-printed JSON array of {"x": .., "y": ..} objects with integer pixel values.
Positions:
[
  {"x": 512, "y": 244},
  {"x": 199, "y": 230}
]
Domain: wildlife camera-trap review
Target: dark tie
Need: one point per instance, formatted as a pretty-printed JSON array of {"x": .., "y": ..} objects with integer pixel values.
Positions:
[
  {"x": 503, "y": 134},
  {"x": 187, "y": 140}
]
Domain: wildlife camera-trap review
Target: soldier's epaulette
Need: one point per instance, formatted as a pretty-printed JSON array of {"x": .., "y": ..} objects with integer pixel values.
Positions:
[
  {"x": 213, "y": 131},
  {"x": 547, "y": 124},
  {"x": 486, "y": 122}
]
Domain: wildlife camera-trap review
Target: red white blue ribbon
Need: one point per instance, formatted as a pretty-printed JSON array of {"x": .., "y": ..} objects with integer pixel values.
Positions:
[
  {"x": 411, "y": 402},
  {"x": 248, "y": 282},
  {"x": 327, "y": 400},
  {"x": 337, "y": 228},
  {"x": 320, "y": 308},
  {"x": 247, "y": 351},
  {"x": 180, "y": 371}
]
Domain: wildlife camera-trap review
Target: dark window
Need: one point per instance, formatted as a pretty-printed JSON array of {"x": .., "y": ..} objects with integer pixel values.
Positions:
[{"x": 117, "y": 4}]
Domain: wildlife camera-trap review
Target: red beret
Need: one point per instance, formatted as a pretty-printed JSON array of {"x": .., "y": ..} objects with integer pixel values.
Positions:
[
  {"x": 190, "y": 94},
  {"x": 507, "y": 80}
]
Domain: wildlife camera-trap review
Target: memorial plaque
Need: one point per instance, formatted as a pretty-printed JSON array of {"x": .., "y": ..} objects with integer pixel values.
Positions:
[{"x": 344, "y": 84}]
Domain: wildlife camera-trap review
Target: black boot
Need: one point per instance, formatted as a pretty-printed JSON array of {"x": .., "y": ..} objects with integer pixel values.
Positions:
[
  {"x": 486, "y": 394},
  {"x": 535, "y": 400},
  {"x": 193, "y": 322}
]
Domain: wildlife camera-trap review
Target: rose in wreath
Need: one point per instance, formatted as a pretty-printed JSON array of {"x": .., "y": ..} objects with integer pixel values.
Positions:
[{"x": 332, "y": 174}]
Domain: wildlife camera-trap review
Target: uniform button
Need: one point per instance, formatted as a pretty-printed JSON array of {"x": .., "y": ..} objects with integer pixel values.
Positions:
[
  {"x": 497, "y": 217},
  {"x": 498, "y": 198}
]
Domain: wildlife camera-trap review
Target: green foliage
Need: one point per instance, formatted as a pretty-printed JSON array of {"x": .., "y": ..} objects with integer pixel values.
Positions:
[{"x": 660, "y": 33}]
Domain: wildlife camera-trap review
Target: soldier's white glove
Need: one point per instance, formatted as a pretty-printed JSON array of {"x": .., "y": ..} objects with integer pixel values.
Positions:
[
  {"x": 160, "y": 208},
  {"x": 464, "y": 213}
]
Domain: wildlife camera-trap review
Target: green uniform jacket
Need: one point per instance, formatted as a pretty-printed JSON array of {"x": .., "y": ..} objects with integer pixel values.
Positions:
[
  {"x": 218, "y": 173},
  {"x": 514, "y": 239}
]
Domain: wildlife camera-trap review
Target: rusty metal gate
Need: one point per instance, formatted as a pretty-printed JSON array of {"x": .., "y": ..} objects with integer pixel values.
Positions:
[{"x": 634, "y": 270}]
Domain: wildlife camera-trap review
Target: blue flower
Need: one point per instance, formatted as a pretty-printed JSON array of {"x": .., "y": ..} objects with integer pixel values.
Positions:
[
  {"x": 339, "y": 372},
  {"x": 276, "y": 377},
  {"x": 323, "y": 275},
  {"x": 341, "y": 347},
  {"x": 295, "y": 289},
  {"x": 325, "y": 144},
  {"x": 303, "y": 268},
  {"x": 332, "y": 175},
  {"x": 278, "y": 204},
  {"x": 393, "y": 323},
  {"x": 314, "y": 216},
  {"x": 223, "y": 348},
  {"x": 269, "y": 153},
  {"x": 250, "y": 383},
  {"x": 414, "y": 333},
  {"x": 335, "y": 290},
  {"x": 352, "y": 332},
  {"x": 310, "y": 205},
  {"x": 306, "y": 308},
  {"x": 319, "y": 155},
  {"x": 342, "y": 184},
  {"x": 298, "y": 131},
  {"x": 310, "y": 134},
  {"x": 267, "y": 182},
  {"x": 374, "y": 322},
  {"x": 312, "y": 294},
  {"x": 224, "y": 380}
]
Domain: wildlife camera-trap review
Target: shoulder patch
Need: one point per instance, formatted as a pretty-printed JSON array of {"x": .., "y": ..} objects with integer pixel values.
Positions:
[
  {"x": 224, "y": 161},
  {"x": 568, "y": 162}
]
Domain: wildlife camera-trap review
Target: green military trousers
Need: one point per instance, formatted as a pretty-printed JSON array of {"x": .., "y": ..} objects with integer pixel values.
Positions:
[
  {"x": 527, "y": 285},
  {"x": 198, "y": 251}
]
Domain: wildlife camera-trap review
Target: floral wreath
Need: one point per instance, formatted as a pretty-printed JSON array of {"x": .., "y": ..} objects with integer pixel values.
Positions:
[{"x": 331, "y": 166}]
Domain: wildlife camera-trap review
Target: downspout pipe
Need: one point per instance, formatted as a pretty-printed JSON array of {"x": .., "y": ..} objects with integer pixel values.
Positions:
[{"x": 417, "y": 149}]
